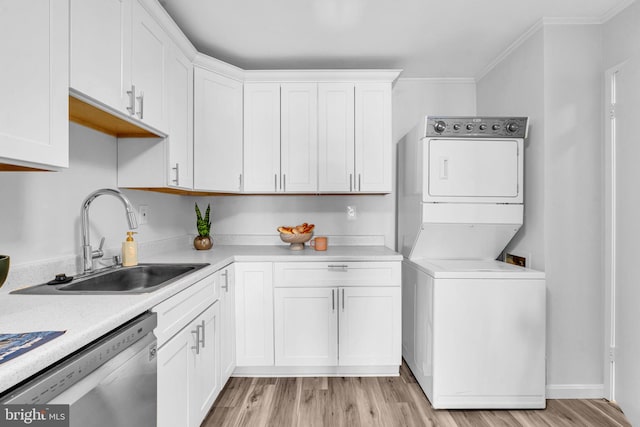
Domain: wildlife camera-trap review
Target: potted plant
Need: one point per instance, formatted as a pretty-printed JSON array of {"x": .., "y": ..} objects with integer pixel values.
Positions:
[{"x": 203, "y": 239}]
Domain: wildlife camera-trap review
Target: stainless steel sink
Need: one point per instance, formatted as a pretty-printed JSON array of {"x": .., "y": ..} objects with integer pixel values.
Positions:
[{"x": 142, "y": 278}]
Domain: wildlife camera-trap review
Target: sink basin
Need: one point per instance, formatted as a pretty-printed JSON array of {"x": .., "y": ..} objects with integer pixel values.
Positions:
[{"x": 142, "y": 278}]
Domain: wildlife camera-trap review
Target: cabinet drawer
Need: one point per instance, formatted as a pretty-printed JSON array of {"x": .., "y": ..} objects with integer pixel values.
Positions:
[
  {"x": 176, "y": 312},
  {"x": 297, "y": 274}
]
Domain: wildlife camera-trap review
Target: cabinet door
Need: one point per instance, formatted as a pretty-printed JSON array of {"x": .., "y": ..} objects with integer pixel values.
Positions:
[
  {"x": 180, "y": 107},
  {"x": 373, "y": 137},
  {"x": 148, "y": 53},
  {"x": 254, "y": 314},
  {"x": 100, "y": 42},
  {"x": 218, "y": 132},
  {"x": 370, "y": 326},
  {"x": 34, "y": 83},
  {"x": 299, "y": 137},
  {"x": 227, "y": 324},
  {"x": 336, "y": 137},
  {"x": 261, "y": 164},
  {"x": 306, "y": 326},
  {"x": 205, "y": 364},
  {"x": 173, "y": 380}
]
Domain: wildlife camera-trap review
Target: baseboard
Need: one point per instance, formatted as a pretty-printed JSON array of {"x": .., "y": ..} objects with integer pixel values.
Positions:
[{"x": 575, "y": 391}]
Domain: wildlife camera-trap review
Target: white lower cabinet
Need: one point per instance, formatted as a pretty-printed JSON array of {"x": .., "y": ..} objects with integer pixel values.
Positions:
[
  {"x": 345, "y": 326},
  {"x": 189, "y": 332},
  {"x": 337, "y": 314},
  {"x": 306, "y": 327},
  {"x": 204, "y": 363},
  {"x": 227, "y": 320},
  {"x": 254, "y": 313},
  {"x": 370, "y": 326},
  {"x": 189, "y": 371}
]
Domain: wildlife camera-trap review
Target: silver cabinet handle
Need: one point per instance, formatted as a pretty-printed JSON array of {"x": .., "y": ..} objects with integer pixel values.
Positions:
[
  {"x": 275, "y": 182},
  {"x": 225, "y": 274},
  {"x": 240, "y": 182},
  {"x": 284, "y": 180},
  {"x": 132, "y": 100},
  {"x": 359, "y": 184},
  {"x": 141, "y": 100},
  {"x": 203, "y": 334},
  {"x": 197, "y": 334},
  {"x": 350, "y": 182},
  {"x": 333, "y": 300},
  {"x": 342, "y": 299},
  {"x": 177, "y": 169},
  {"x": 341, "y": 267}
]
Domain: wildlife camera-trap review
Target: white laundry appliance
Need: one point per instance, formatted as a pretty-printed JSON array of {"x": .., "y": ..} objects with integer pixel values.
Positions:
[{"x": 473, "y": 327}]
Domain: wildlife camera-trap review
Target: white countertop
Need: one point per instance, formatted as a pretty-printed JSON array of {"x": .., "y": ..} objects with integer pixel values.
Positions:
[{"x": 86, "y": 318}]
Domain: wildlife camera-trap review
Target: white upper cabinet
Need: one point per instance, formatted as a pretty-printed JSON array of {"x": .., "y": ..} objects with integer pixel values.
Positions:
[
  {"x": 148, "y": 51},
  {"x": 373, "y": 145},
  {"x": 34, "y": 81},
  {"x": 118, "y": 54},
  {"x": 336, "y": 136},
  {"x": 218, "y": 132},
  {"x": 179, "y": 71},
  {"x": 299, "y": 137},
  {"x": 262, "y": 138},
  {"x": 155, "y": 163},
  {"x": 355, "y": 148},
  {"x": 100, "y": 35}
]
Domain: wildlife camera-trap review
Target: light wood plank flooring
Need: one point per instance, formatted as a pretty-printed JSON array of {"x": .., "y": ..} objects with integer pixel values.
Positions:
[{"x": 380, "y": 401}]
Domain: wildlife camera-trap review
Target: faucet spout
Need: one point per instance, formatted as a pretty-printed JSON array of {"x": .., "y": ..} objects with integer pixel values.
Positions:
[{"x": 88, "y": 254}]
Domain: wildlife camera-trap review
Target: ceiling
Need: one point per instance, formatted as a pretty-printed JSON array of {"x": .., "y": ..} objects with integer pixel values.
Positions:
[{"x": 425, "y": 38}]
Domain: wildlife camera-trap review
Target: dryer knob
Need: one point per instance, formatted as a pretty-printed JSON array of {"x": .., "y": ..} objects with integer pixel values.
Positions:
[
  {"x": 512, "y": 127},
  {"x": 483, "y": 126},
  {"x": 439, "y": 126},
  {"x": 495, "y": 126},
  {"x": 456, "y": 126},
  {"x": 469, "y": 126}
]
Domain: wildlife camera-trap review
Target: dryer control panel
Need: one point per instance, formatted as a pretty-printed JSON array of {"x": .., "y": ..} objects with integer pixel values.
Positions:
[{"x": 476, "y": 127}]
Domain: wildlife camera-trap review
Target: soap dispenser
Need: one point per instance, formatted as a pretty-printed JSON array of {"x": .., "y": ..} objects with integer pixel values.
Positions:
[{"x": 129, "y": 251}]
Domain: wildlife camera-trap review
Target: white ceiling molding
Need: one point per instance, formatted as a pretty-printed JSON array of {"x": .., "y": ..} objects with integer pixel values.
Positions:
[
  {"x": 616, "y": 10},
  {"x": 385, "y": 76},
  {"x": 551, "y": 21},
  {"x": 220, "y": 67},
  {"x": 440, "y": 80},
  {"x": 512, "y": 47}
]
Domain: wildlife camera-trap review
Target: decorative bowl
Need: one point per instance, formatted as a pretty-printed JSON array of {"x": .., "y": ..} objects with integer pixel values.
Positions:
[
  {"x": 4, "y": 268},
  {"x": 297, "y": 240}
]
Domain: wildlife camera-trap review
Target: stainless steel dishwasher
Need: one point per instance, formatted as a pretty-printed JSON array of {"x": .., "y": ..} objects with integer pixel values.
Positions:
[{"x": 111, "y": 382}]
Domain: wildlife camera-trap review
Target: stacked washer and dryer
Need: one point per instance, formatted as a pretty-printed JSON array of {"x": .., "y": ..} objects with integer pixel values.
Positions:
[{"x": 473, "y": 327}]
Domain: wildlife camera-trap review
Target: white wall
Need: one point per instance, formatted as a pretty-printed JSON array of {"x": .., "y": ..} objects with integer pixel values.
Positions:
[
  {"x": 555, "y": 78},
  {"x": 40, "y": 214},
  {"x": 516, "y": 87},
  {"x": 261, "y": 215}
]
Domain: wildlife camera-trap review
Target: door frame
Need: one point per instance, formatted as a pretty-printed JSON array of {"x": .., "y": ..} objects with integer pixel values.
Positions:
[{"x": 610, "y": 230}]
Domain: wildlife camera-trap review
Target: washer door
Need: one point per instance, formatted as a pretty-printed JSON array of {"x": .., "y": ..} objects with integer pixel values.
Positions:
[{"x": 467, "y": 170}]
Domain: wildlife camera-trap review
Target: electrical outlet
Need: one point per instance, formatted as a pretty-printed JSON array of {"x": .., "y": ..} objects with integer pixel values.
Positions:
[
  {"x": 352, "y": 213},
  {"x": 143, "y": 214}
]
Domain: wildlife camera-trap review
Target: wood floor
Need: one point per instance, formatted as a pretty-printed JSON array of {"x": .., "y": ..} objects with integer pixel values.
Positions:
[{"x": 380, "y": 401}]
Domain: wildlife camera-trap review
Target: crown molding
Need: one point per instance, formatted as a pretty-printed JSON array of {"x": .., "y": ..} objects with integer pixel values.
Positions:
[
  {"x": 212, "y": 64},
  {"x": 616, "y": 10},
  {"x": 439, "y": 80},
  {"x": 553, "y": 21},
  {"x": 383, "y": 76}
]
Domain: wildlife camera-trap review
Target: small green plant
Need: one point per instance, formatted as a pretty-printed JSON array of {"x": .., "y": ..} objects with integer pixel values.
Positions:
[{"x": 203, "y": 224}]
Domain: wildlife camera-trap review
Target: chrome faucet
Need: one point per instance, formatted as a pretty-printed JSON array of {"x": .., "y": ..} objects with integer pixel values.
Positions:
[{"x": 88, "y": 254}]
